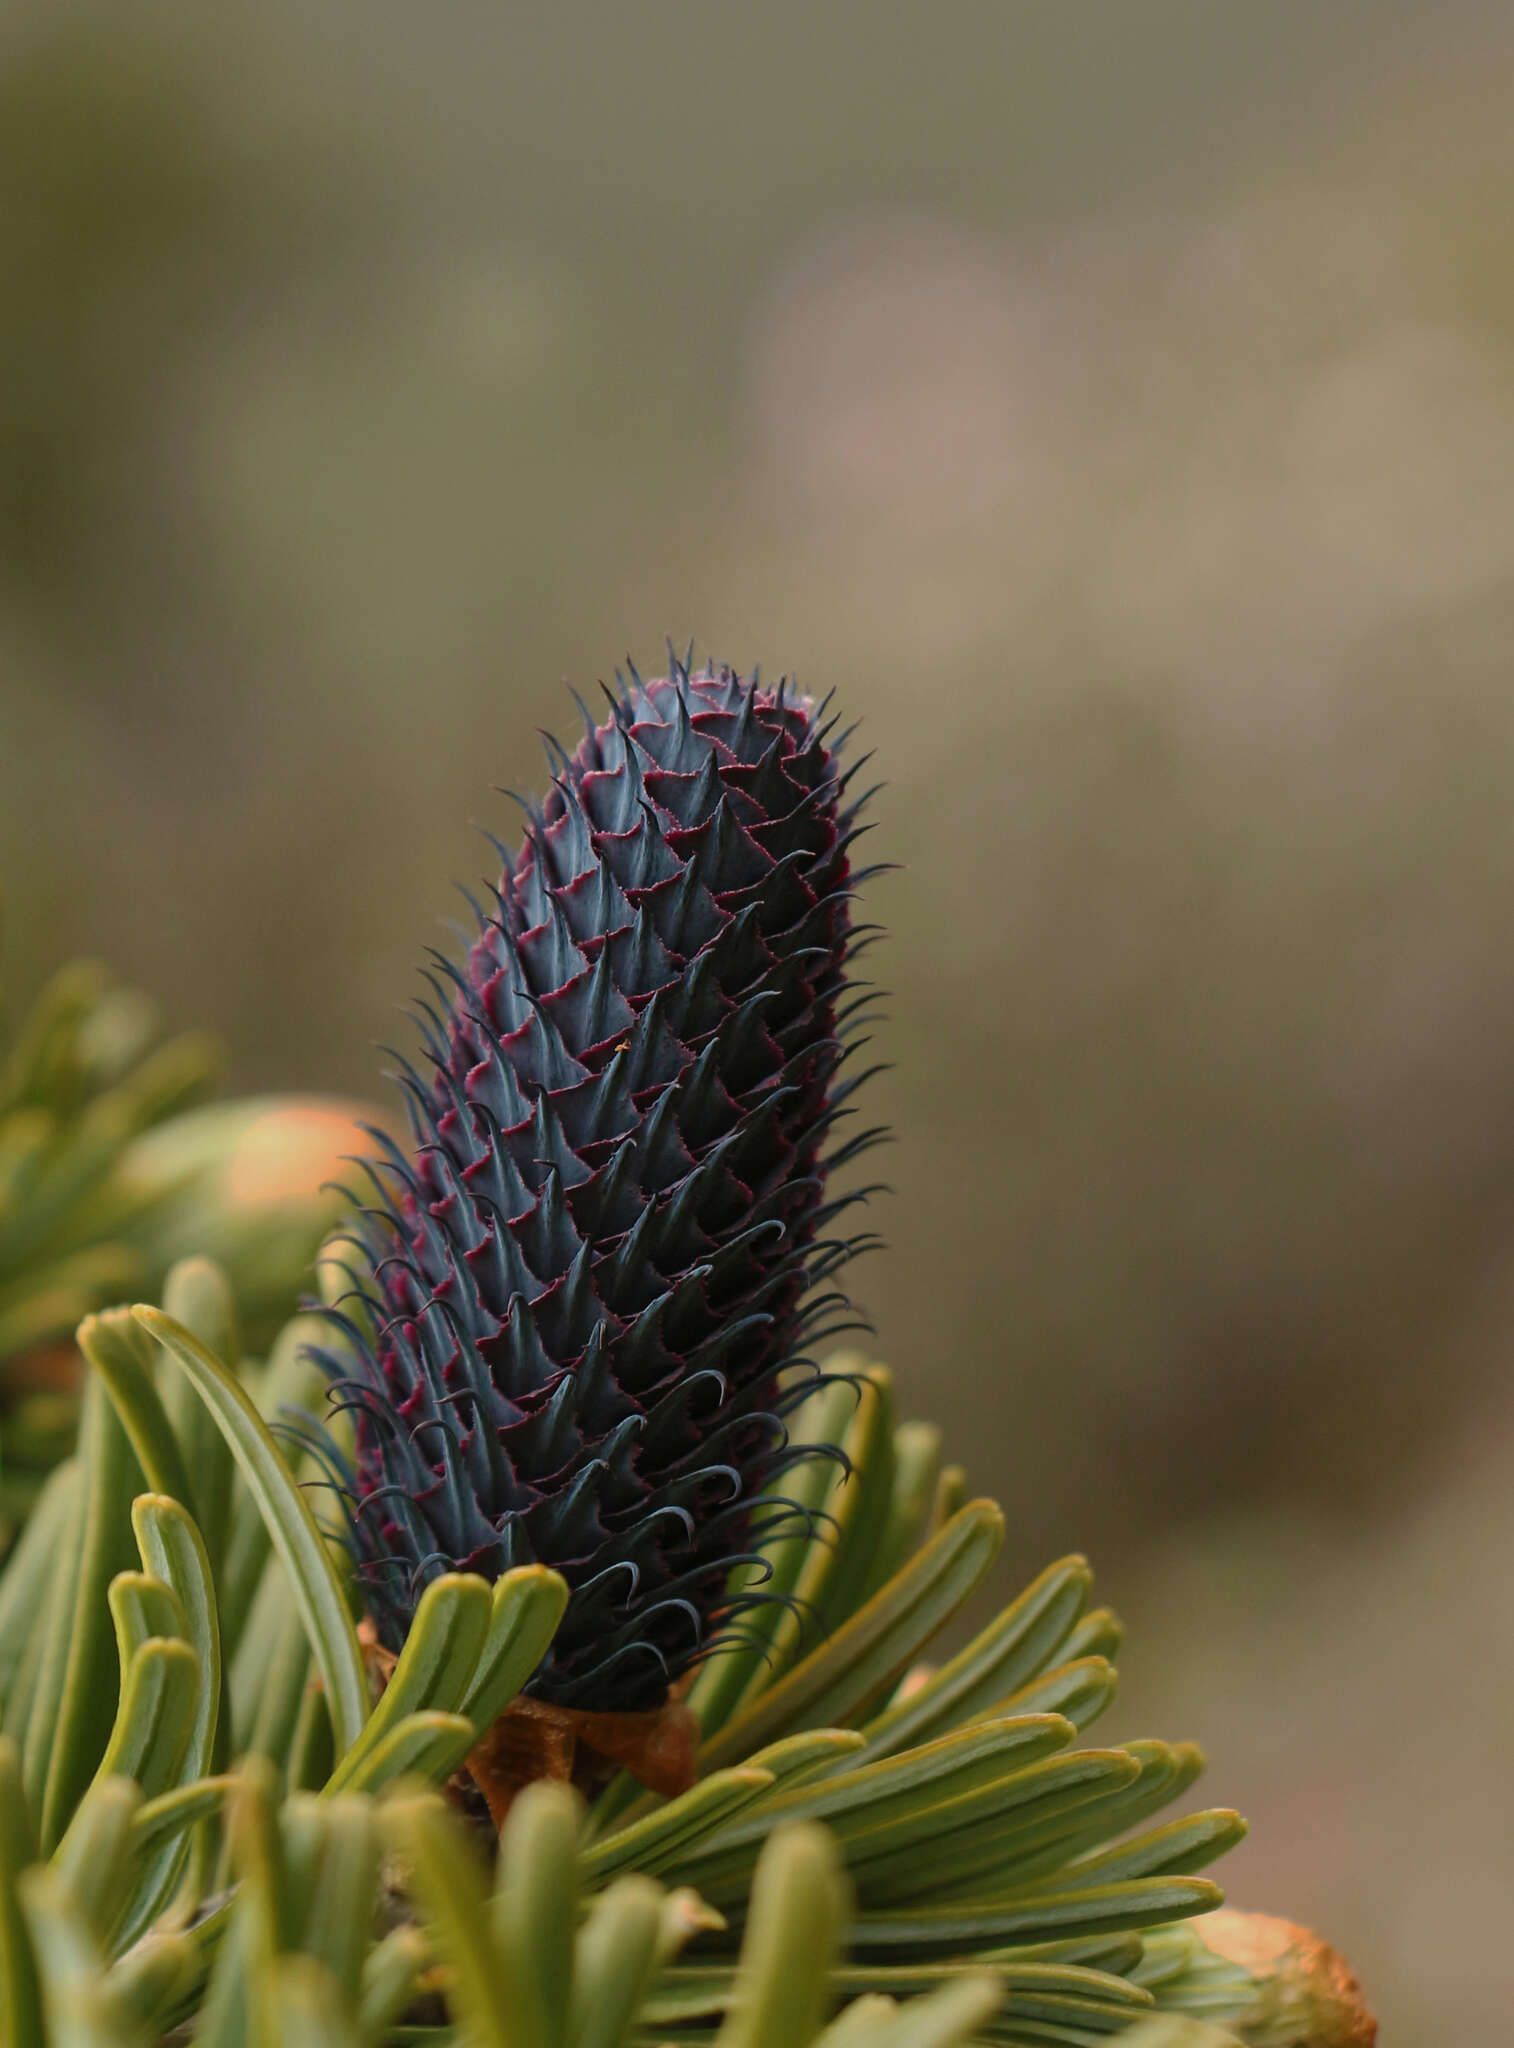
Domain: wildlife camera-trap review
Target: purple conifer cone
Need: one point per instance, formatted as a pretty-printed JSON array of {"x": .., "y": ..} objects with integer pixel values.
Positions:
[{"x": 588, "y": 1281}]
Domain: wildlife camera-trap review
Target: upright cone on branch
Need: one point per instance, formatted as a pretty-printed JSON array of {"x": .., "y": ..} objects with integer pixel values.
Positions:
[{"x": 588, "y": 1281}]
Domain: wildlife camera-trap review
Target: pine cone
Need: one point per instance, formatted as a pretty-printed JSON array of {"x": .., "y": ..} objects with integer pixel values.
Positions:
[{"x": 590, "y": 1279}]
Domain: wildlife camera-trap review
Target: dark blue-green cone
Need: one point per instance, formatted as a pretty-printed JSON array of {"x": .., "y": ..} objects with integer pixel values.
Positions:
[{"x": 591, "y": 1279}]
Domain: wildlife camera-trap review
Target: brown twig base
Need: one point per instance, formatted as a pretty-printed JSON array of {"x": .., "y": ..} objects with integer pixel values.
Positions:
[{"x": 532, "y": 1740}]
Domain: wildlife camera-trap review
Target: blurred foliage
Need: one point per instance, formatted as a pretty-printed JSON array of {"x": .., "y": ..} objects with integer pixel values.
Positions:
[
  {"x": 108, "y": 1176},
  {"x": 83, "y": 1081}
]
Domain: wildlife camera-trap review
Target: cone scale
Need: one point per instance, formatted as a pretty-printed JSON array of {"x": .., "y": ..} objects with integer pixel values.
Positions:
[{"x": 585, "y": 1290}]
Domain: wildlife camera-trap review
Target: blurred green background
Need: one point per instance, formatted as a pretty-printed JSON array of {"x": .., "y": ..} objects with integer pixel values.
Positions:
[{"x": 1115, "y": 403}]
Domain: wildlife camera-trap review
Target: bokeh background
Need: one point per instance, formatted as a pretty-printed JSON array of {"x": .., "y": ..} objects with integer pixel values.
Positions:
[{"x": 1115, "y": 403}]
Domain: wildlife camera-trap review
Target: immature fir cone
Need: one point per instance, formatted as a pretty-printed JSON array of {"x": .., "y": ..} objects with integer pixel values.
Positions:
[{"x": 590, "y": 1276}]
